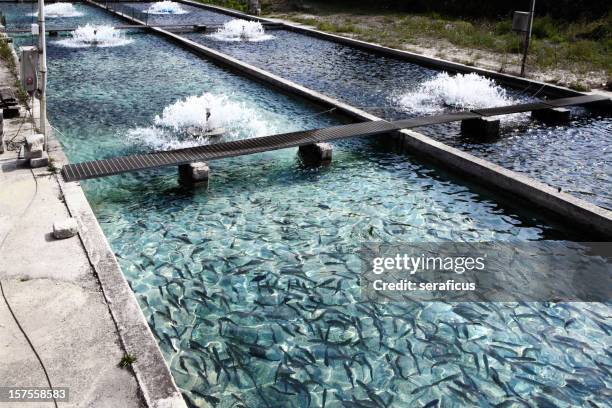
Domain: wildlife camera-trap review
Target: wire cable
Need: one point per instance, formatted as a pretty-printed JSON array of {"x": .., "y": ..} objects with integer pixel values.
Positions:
[
  {"x": 28, "y": 111},
  {"x": 318, "y": 113},
  {"x": 8, "y": 305}
]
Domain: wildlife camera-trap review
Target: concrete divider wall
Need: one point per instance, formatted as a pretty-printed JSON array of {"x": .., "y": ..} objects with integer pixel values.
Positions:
[
  {"x": 152, "y": 374},
  {"x": 573, "y": 211}
]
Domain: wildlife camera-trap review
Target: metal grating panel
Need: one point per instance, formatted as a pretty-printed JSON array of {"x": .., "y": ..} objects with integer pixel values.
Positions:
[
  {"x": 117, "y": 165},
  {"x": 434, "y": 120},
  {"x": 508, "y": 110},
  {"x": 577, "y": 100}
]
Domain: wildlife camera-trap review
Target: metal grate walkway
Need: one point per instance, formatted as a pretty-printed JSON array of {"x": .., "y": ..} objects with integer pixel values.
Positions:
[{"x": 137, "y": 162}]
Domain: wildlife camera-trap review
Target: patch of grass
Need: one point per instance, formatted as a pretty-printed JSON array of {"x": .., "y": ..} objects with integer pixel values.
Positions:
[
  {"x": 578, "y": 86},
  {"x": 52, "y": 167},
  {"x": 329, "y": 27},
  {"x": 127, "y": 361},
  {"x": 6, "y": 54},
  {"x": 306, "y": 21},
  {"x": 240, "y": 5},
  {"x": 22, "y": 95}
]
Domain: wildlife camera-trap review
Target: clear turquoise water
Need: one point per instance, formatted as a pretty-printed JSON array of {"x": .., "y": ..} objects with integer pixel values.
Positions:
[{"x": 194, "y": 257}]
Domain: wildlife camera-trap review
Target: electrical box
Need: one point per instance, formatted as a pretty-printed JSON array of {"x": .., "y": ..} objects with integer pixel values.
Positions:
[
  {"x": 520, "y": 21},
  {"x": 28, "y": 64}
]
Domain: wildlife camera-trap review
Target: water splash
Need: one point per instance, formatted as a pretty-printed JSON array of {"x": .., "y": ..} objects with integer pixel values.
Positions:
[
  {"x": 241, "y": 30},
  {"x": 459, "y": 91},
  {"x": 173, "y": 127},
  {"x": 60, "y": 10},
  {"x": 166, "y": 7},
  {"x": 95, "y": 36}
]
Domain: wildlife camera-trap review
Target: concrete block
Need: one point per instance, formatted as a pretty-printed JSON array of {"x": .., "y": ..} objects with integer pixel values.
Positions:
[
  {"x": 65, "y": 229},
  {"x": 35, "y": 139},
  {"x": 35, "y": 152},
  {"x": 194, "y": 174},
  {"x": 42, "y": 161},
  {"x": 317, "y": 153},
  {"x": 553, "y": 115},
  {"x": 34, "y": 146},
  {"x": 10, "y": 112},
  {"x": 481, "y": 128}
]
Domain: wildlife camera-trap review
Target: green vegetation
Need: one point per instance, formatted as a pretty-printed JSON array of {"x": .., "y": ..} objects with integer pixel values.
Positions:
[
  {"x": 6, "y": 54},
  {"x": 22, "y": 95},
  {"x": 240, "y": 5},
  {"x": 52, "y": 167},
  {"x": 127, "y": 361}
]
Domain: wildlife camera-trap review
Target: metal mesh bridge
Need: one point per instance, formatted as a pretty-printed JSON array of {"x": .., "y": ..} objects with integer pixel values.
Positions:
[{"x": 138, "y": 162}]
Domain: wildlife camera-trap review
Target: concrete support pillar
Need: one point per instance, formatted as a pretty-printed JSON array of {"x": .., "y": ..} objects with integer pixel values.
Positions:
[
  {"x": 555, "y": 116},
  {"x": 194, "y": 174},
  {"x": 318, "y": 153},
  {"x": 254, "y": 7},
  {"x": 481, "y": 128}
]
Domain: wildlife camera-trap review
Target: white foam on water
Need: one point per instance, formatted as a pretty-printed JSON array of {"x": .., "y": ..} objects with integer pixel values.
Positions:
[
  {"x": 173, "y": 127},
  {"x": 458, "y": 91},
  {"x": 166, "y": 7},
  {"x": 95, "y": 36},
  {"x": 242, "y": 30},
  {"x": 60, "y": 10}
]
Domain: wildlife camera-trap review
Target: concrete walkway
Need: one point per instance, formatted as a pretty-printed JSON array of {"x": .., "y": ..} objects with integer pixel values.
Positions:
[{"x": 53, "y": 291}]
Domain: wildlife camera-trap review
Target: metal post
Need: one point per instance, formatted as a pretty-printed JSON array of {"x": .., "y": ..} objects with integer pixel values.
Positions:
[
  {"x": 528, "y": 37},
  {"x": 42, "y": 59}
]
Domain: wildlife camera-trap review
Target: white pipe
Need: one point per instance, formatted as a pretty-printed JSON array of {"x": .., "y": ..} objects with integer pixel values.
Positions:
[{"x": 42, "y": 59}]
